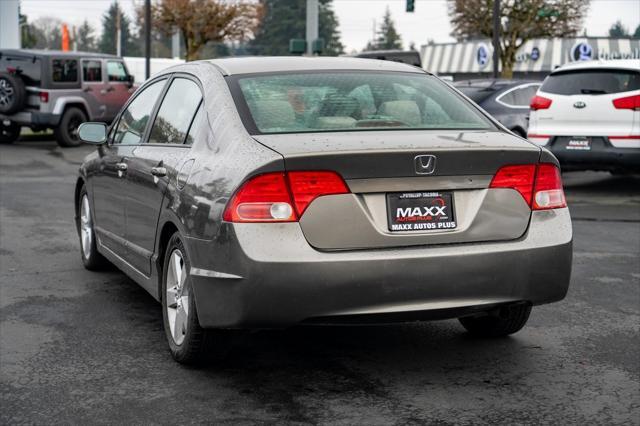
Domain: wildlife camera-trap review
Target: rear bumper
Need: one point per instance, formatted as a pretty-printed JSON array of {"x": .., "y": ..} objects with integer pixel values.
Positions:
[
  {"x": 602, "y": 156},
  {"x": 271, "y": 277},
  {"x": 32, "y": 119}
]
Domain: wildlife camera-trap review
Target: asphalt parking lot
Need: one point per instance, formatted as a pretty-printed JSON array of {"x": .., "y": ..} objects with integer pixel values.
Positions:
[{"x": 83, "y": 347}]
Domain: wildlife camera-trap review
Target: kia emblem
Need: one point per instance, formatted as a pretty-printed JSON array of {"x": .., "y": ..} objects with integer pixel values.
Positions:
[
  {"x": 579, "y": 105},
  {"x": 425, "y": 164}
]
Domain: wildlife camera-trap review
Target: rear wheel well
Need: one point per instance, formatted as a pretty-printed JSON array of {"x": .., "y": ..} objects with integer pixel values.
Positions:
[
  {"x": 78, "y": 105},
  {"x": 168, "y": 229},
  {"x": 76, "y": 198}
]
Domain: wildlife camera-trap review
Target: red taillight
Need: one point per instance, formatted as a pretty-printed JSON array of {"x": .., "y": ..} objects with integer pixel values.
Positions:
[
  {"x": 307, "y": 186},
  {"x": 44, "y": 97},
  {"x": 630, "y": 102},
  {"x": 540, "y": 186},
  {"x": 538, "y": 102},
  {"x": 518, "y": 177},
  {"x": 547, "y": 192},
  {"x": 281, "y": 197}
]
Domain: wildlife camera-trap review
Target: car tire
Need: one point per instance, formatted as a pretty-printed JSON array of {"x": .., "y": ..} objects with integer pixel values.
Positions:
[
  {"x": 189, "y": 343},
  {"x": 10, "y": 133},
  {"x": 91, "y": 258},
  {"x": 502, "y": 322},
  {"x": 67, "y": 131},
  {"x": 12, "y": 93}
]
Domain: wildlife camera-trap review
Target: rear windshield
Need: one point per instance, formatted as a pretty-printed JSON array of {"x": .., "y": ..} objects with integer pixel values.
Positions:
[
  {"x": 352, "y": 101},
  {"x": 591, "y": 82}
]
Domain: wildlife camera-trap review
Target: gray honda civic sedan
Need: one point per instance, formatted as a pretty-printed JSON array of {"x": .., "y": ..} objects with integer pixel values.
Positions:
[{"x": 251, "y": 193}]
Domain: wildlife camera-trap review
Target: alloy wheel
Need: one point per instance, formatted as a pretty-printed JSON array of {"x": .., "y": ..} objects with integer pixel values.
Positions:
[
  {"x": 177, "y": 297},
  {"x": 86, "y": 225},
  {"x": 6, "y": 93}
]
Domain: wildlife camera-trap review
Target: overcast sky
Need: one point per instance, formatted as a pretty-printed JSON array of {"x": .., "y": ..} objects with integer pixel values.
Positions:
[{"x": 356, "y": 17}]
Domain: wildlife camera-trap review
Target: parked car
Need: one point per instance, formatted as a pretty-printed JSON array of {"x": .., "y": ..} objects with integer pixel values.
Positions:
[
  {"x": 46, "y": 89},
  {"x": 267, "y": 192},
  {"x": 411, "y": 57},
  {"x": 506, "y": 100},
  {"x": 588, "y": 115}
]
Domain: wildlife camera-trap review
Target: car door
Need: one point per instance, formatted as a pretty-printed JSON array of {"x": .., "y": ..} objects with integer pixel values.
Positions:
[
  {"x": 109, "y": 183},
  {"x": 93, "y": 87},
  {"x": 118, "y": 87},
  {"x": 152, "y": 168}
]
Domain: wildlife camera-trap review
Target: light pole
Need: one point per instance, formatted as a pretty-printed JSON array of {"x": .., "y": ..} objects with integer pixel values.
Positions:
[
  {"x": 496, "y": 37},
  {"x": 312, "y": 24},
  {"x": 147, "y": 39}
]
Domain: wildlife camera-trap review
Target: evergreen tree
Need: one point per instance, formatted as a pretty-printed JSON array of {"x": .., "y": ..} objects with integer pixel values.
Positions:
[
  {"x": 85, "y": 38},
  {"x": 107, "y": 42},
  {"x": 28, "y": 33},
  {"x": 387, "y": 38},
  {"x": 618, "y": 30},
  {"x": 286, "y": 19},
  {"x": 636, "y": 33}
]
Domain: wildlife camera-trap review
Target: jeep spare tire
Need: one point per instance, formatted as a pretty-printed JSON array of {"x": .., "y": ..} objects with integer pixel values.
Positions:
[{"x": 12, "y": 93}]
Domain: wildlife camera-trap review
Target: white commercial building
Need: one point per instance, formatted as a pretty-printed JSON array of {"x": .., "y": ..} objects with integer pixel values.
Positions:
[
  {"x": 9, "y": 24},
  {"x": 535, "y": 59}
]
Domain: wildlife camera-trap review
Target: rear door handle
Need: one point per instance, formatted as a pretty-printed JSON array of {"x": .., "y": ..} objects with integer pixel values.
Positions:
[{"x": 159, "y": 171}]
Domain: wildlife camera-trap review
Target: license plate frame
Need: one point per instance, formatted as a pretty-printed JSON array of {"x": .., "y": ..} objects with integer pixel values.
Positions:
[{"x": 420, "y": 211}]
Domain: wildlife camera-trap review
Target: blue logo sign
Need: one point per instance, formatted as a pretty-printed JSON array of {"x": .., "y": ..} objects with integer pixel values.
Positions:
[
  {"x": 535, "y": 54},
  {"x": 582, "y": 52},
  {"x": 482, "y": 55}
]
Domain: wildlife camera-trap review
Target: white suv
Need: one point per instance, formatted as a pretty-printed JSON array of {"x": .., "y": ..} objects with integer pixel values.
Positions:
[{"x": 588, "y": 115}]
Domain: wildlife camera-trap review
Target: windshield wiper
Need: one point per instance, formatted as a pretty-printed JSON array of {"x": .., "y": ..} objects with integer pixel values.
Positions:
[{"x": 593, "y": 92}]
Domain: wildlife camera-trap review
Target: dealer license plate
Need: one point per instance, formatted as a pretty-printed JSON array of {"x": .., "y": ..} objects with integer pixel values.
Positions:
[{"x": 420, "y": 211}]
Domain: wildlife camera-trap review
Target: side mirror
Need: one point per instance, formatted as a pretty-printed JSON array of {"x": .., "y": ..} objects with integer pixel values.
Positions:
[
  {"x": 130, "y": 80},
  {"x": 93, "y": 133}
]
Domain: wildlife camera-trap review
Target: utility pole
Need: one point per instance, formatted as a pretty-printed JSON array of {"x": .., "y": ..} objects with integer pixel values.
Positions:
[
  {"x": 147, "y": 39},
  {"x": 118, "y": 31},
  {"x": 496, "y": 38},
  {"x": 312, "y": 24}
]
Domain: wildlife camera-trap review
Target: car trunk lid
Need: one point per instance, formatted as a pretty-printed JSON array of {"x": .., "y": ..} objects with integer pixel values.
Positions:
[{"x": 378, "y": 165}]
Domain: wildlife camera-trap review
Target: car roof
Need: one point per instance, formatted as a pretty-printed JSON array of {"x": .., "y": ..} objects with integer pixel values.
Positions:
[
  {"x": 57, "y": 53},
  {"x": 487, "y": 83},
  {"x": 262, "y": 64},
  {"x": 633, "y": 64}
]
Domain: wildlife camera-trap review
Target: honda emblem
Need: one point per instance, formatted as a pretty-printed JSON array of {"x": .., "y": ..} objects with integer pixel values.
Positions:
[{"x": 425, "y": 164}]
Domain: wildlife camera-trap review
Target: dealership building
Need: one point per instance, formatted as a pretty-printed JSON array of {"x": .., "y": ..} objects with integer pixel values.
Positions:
[{"x": 534, "y": 60}]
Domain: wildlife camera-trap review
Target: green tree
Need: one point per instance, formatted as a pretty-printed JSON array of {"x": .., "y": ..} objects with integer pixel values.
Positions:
[
  {"x": 618, "y": 30},
  {"x": 85, "y": 38},
  {"x": 636, "y": 33},
  {"x": 387, "y": 36},
  {"x": 28, "y": 33},
  {"x": 107, "y": 43},
  {"x": 521, "y": 20},
  {"x": 286, "y": 19}
]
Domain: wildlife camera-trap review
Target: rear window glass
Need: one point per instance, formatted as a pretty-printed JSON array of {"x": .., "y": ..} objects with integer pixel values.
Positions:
[
  {"x": 352, "y": 101},
  {"x": 476, "y": 94},
  {"x": 64, "y": 70},
  {"x": 591, "y": 82}
]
